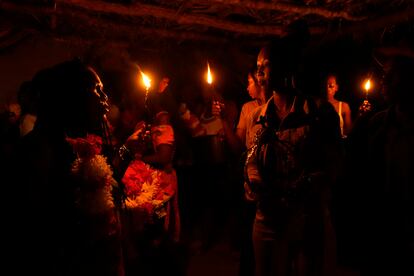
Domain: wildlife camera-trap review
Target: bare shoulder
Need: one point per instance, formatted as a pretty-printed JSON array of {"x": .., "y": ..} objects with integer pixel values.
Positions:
[
  {"x": 249, "y": 106},
  {"x": 345, "y": 107}
]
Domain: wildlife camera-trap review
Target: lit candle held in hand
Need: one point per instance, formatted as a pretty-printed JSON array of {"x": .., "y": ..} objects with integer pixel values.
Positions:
[{"x": 366, "y": 105}]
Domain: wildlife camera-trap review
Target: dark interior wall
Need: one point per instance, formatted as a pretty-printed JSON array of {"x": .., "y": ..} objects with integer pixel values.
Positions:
[
  {"x": 20, "y": 62},
  {"x": 185, "y": 63}
]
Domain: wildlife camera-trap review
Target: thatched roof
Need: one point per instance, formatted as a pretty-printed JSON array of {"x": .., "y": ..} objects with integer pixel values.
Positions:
[{"x": 200, "y": 20}]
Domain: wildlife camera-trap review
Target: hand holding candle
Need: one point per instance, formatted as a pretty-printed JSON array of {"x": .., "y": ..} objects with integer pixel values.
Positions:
[
  {"x": 217, "y": 107},
  {"x": 366, "y": 105}
]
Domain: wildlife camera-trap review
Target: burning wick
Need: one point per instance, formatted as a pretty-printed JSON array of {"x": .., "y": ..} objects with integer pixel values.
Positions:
[
  {"x": 209, "y": 75},
  {"x": 147, "y": 83},
  {"x": 215, "y": 98},
  {"x": 146, "y": 80}
]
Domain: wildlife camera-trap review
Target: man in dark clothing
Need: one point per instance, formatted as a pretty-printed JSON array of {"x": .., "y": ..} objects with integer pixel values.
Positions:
[
  {"x": 288, "y": 172},
  {"x": 384, "y": 222}
]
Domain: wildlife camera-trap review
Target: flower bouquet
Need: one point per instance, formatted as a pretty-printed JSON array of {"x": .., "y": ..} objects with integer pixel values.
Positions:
[
  {"x": 148, "y": 190},
  {"x": 94, "y": 183}
]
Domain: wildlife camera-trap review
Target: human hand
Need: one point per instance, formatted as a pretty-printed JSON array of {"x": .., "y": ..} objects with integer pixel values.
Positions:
[
  {"x": 135, "y": 141},
  {"x": 163, "y": 84},
  {"x": 218, "y": 109},
  {"x": 182, "y": 108},
  {"x": 365, "y": 107},
  {"x": 139, "y": 126},
  {"x": 138, "y": 129}
]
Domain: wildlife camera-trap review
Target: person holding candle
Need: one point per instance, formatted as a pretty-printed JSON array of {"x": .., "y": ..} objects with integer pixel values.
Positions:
[
  {"x": 381, "y": 168},
  {"x": 240, "y": 140},
  {"x": 150, "y": 181},
  {"x": 211, "y": 153},
  {"x": 366, "y": 106},
  {"x": 342, "y": 108},
  {"x": 243, "y": 136}
]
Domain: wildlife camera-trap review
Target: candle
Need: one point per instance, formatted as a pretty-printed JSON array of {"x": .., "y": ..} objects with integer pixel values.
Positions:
[
  {"x": 209, "y": 76},
  {"x": 366, "y": 105},
  {"x": 147, "y": 83},
  {"x": 216, "y": 99},
  {"x": 210, "y": 87}
]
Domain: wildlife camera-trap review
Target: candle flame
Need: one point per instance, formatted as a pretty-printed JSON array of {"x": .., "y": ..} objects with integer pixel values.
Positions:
[
  {"x": 367, "y": 85},
  {"x": 146, "y": 80},
  {"x": 209, "y": 75}
]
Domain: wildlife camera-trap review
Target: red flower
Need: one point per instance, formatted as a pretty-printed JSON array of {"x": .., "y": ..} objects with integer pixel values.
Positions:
[
  {"x": 86, "y": 147},
  {"x": 167, "y": 186},
  {"x": 136, "y": 174}
]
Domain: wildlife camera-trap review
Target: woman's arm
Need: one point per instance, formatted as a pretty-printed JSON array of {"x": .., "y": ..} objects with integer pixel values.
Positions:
[
  {"x": 346, "y": 114},
  {"x": 191, "y": 121},
  {"x": 235, "y": 138}
]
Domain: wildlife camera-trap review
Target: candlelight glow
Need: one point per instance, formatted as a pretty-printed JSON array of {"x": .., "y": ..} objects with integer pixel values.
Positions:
[
  {"x": 209, "y": 75},
  {"x": 367, "y": 85},
  {"x": 146, "y": 80}
]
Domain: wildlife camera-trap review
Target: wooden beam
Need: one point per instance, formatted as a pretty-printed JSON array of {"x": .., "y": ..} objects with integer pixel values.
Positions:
[
  {"x": 84, "y": 25},
  {"x": 33, "y": 10},
  {"x": 404, "y": 16},
  {"x": 143, "y": 10},
  {"x": 365, "y": 27},
  {"x": 285, "y": 7},
  {"x": 376, "y": 24},
  {"x": 81, "y": 21},
  {"x": 21, "y": 8},
  {"x": 62, "y": 11},
  {"x": 14, "y": 38}
]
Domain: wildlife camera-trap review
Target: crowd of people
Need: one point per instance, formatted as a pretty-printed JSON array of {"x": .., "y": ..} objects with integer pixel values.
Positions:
[{"x": 94, "y": 199}]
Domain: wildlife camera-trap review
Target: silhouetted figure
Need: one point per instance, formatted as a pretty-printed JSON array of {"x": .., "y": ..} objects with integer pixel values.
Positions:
[
  {"x": 383, "y": 189},
  {"x": 211, "y": 165},
  {"x": 65, "y": 222},
  {"x": 342, "y": 108}
]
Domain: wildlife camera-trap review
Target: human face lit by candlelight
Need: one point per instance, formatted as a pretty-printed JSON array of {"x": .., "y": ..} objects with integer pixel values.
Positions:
[
  {"x": 263, "y": 68},
  {"x": 331, "y": 86},
  {"x": 97, "y": 97},
  {"x": 252, "y": 87}
]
